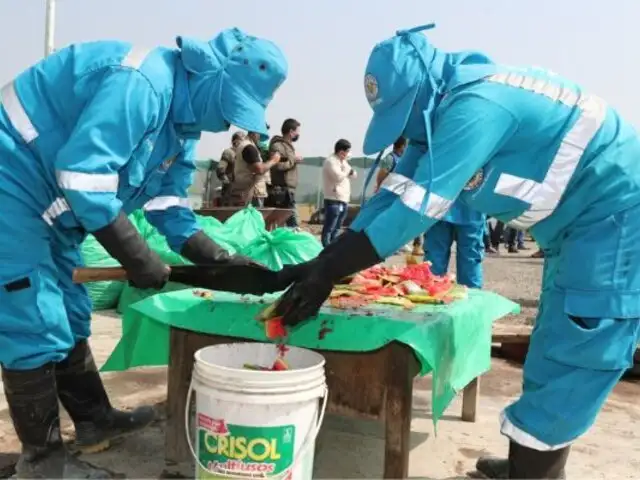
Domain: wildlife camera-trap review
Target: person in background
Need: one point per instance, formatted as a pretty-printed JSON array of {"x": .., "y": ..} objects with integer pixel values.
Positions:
[
  {"x": 486, "y": 238},
  {"x": 511, "y": 234},
  {"x": 515, "y": 240},
  {"x": 284, "y": 175},
  {"x": 520, "y": 241},
  {"x": 336, "y": 186},
  {"x": 263, "y": 148},
  {"x": 466, "y": 227},
  {"x": 224, "y": 171},
  {"x": 249, "y": 186},
  {"x": 497, "y": 235},
  {"x": 390, "y": 161},
  {"x": 387, "y": 166}
]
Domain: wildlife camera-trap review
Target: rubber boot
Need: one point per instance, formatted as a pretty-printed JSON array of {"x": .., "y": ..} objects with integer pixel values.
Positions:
[
  {"x": 525, "y": 463},
  {"x": 33, "y": 405},
  {"x": 493, "y": 467},
  {"x": 83, "y": 396}
]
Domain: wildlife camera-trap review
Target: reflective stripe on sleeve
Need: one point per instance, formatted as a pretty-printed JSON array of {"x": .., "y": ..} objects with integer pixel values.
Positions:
[
  {"x": 88, "y": 182},
  {"x": 412, "y": 195},
  {"x": 163, "y": 203},
  {"x": 544, "y": 197},
  {"x": 135, "y": 58},
  {"x": 57, "y": 208},
  {"x": 17, "y": 114}
]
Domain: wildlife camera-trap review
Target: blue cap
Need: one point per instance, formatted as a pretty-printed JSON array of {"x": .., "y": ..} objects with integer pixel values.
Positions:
[
  {"x": 250, "y": 71},
  {"x": 395, "y": 72}
]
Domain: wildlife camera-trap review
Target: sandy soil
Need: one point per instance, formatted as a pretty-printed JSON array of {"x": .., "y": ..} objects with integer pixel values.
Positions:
[{"x": 354, "y": 449}]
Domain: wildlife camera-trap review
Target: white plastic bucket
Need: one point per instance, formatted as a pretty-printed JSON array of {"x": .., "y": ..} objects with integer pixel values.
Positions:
[{"x": 253, "y": 423}]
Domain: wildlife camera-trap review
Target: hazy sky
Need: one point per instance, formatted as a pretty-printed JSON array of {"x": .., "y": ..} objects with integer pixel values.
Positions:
[{"x": 327, "y": 43}]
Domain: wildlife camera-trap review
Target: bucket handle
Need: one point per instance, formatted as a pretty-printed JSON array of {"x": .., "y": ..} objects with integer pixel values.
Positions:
[{"x": 312, "y": 434}]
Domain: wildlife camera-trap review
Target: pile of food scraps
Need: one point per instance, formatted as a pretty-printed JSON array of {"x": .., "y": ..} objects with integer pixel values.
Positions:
[{"x": 404, "y": 286}]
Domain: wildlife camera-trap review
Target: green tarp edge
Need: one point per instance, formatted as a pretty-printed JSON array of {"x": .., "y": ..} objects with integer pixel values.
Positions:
[{"x": 453, "y": 342}]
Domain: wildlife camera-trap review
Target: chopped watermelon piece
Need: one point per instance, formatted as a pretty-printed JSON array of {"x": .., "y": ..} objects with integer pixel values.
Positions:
[
  {"x": 280, "y": 365},
  {"x": 388, "y": 291},
  {"x": 345, "y": 303},
  {"x": 274, "y": 328}
]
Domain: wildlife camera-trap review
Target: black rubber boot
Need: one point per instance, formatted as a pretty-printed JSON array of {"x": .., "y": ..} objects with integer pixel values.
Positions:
[
  {"x": 33, "y": 405},
  {"x": 83, "y": 396},
  {"x": 493, "y": 467},
  {"x": 526, "y": 463}
]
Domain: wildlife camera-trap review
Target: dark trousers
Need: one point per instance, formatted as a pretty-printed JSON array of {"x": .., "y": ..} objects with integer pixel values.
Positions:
[
  {"x": 515, "y": 238},
  {"x": 293, "y": 221},
  {"x": 334, "y": 214},
  {"x": 283, "y": 197},
  {"x": 496, "y": 234}
]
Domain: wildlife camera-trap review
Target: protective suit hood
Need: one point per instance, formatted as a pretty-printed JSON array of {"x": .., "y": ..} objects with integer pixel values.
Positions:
[
  {"x": 230, "y": 80},
  {"x": 405, "y": 79}
]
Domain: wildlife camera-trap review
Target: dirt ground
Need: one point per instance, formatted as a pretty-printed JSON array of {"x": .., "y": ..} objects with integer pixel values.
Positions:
[{"x": 354, "y": 449}]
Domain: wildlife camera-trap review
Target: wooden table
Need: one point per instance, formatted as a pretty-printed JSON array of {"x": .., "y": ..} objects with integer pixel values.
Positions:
[{"x": 372, "y": 385}]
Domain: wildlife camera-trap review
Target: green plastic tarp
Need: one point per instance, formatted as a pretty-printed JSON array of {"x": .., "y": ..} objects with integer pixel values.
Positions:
[
  {"x": 453, "y": 342},
  {"x": 244, "y": 233},
  {"x": 103, "y": 295}
]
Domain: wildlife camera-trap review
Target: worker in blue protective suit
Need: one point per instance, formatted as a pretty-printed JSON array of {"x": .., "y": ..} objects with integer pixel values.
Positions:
[
  {"x": 527, "y": 147},
  {"x": 88, "y": 135},
  {"x": 466, "y": 227}
]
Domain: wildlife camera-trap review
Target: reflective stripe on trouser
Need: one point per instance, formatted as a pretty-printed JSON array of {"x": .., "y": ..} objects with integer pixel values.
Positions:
[
  {"x": 42, "y": 313},
  {"x": 585, "y": 336},
  {"x": 469, "y": 251}
]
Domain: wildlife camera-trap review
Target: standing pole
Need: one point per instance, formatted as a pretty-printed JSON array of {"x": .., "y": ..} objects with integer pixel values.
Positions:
[{"x": 49, "y": 27}]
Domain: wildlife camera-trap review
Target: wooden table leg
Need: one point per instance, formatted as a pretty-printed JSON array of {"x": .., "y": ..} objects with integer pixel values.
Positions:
[
  {"x": 470, "y": 396},
  {"x": 401, "y": 369},
  {"x": 181, "y": 352}
]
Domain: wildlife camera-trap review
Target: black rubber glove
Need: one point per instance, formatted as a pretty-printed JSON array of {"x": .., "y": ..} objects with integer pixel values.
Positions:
[
  {"x": 243, "y": 279},
  {"x": 144, "y": 267},
  {"x": 201, "y": 250},
  {"x": 349, "y": 254}
]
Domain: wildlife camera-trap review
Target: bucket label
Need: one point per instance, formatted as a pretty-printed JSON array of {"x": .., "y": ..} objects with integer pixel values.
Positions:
[{"x": 243, "y": 450}]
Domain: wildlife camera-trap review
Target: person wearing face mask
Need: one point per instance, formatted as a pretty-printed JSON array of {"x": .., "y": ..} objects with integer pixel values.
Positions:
[
  {"x": 88, "y": 135},
  {"x": 537, "y": 151},
  {"x": 284, "y": 176}
]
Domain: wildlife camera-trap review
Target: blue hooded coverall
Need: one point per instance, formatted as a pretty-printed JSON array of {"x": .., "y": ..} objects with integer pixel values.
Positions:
[
  {"x": 531, "y": 148},
  {"x": 466, "y": 227},
  {"x": 98, "y": 128}
]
